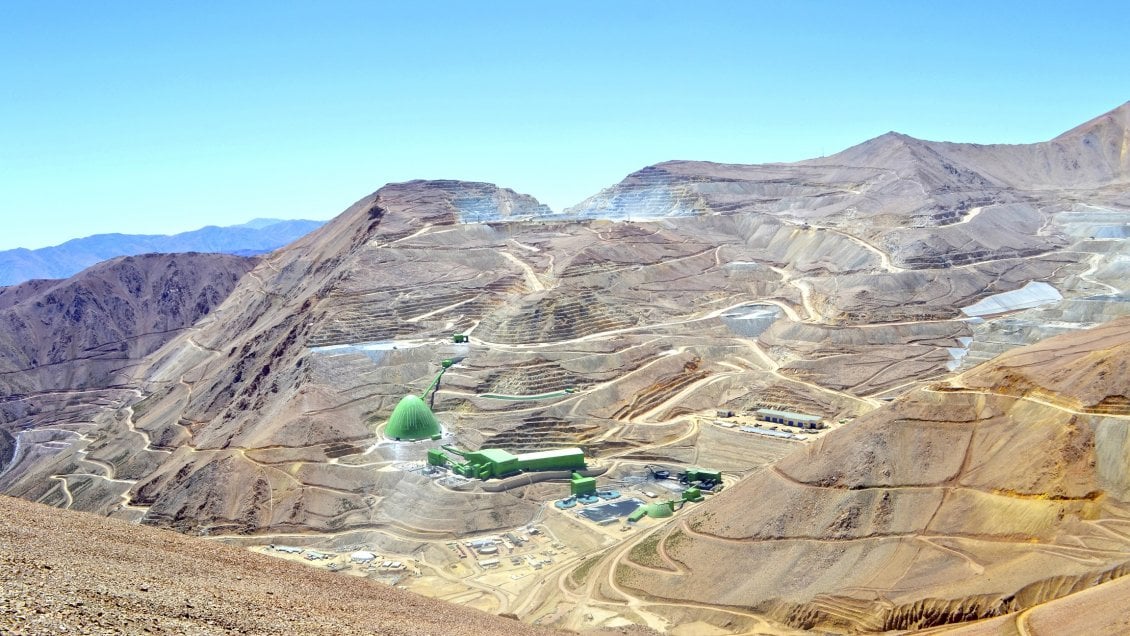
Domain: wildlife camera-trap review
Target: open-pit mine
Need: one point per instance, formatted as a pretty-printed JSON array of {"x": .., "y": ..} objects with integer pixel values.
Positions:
[{"x": 881, "y": 390}]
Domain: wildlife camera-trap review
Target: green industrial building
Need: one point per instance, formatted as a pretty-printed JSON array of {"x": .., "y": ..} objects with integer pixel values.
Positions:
[
  {"x": 702, "y": 474},
  {"x": 664, "y": 509},
  {"x": 491, "y": 462},
  {"x": 487, "y": 463},
  {"x": 658, "y": 509},
  {"x": 580, "y": 485},
  {"x": 557, "y": 459},
  {"x": 412, "y": 420}
]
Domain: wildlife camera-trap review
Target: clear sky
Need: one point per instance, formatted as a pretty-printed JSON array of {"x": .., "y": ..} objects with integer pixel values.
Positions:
[{"x": 159, "y": 117}]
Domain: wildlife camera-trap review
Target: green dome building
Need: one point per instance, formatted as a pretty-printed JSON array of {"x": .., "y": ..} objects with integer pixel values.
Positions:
[
  {"x": 655, "y": 510},
  {"x": 658, "y": 510},
  {"x": 412, "y": 420}
]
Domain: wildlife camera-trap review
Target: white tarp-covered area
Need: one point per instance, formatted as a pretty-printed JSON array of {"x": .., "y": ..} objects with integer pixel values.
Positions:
[{"x": 1031, "y": 295}]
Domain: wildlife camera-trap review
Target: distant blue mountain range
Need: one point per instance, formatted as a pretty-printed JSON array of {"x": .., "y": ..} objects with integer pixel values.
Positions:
[{"x": 62, "y": 261}]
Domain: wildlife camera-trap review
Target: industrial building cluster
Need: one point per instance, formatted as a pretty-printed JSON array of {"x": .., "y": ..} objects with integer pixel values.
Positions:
[
  {"x": 768, "y": 422},
  {"x": 413, "y": 420},
  {"x": 519, "y": 547},
  {"x": 487, "y": 463},
  {"x": 625, "y": 498},
  {"x": 337, "y": 562},
  {"x": 604, "y": 507}
]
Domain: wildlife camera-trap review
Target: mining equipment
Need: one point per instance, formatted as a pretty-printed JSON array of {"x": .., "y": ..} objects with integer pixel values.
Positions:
[{"x": 705, "y": 478}]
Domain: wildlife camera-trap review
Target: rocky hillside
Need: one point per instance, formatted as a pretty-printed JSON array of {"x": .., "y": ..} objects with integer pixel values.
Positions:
[
  {"x": 88, "y": 331},
  {"x": 64, "y": 572},
  {"x": 68, "y": 259},
  {"x": 919, "y": 202},
  {"x": 991, "y": 493}
]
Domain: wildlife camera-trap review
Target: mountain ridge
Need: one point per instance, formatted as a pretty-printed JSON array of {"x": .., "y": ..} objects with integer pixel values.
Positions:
[
  {"x": 84, "y": 330},
  {"x": 69, "y": 258}
]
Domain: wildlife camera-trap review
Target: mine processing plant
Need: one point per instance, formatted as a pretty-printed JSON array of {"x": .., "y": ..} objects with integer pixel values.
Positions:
[{"x": 493, "y": 462}]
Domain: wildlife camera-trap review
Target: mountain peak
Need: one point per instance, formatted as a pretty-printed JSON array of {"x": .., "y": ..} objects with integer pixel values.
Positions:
[
  {"x": 460, "y": 201},
  {"x": 1115, "y": 122},
  {"x": 894, "y": 135},
  {"x": 890, "y": 150}
]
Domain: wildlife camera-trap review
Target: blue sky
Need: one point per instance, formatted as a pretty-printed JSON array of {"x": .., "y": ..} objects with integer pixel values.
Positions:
[{"x": 151, "y": 117}]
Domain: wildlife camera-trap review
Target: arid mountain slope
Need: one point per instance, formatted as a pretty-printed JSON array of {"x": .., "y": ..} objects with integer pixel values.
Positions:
[
  {"x": 1095, "y": 154},
  {"x": 992, "y": 493},
  {"x": 926, "y": 204},
  {"x": 1097, "y": 610},
  {"x": 825, "y": 286},
  {"x": 1088, "y": 372},
  {"x": 65, "y": 572},
  {"x": 68, "y": 349},
  {"x": 87, "y": 331}
]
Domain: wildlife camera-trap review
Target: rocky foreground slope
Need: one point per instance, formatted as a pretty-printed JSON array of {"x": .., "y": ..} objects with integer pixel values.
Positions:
[
  {"x": 989, "y": 494},
  {"x": 64, "y": 572}
]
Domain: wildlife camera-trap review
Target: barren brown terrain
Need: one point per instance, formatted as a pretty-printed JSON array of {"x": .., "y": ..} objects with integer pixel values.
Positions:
[
  {"x": 864, "y": 288},
  {"x": 1097, "y": 610},
  {"x": 65, "y": 572},
  {"x": 989, "y": 494}
]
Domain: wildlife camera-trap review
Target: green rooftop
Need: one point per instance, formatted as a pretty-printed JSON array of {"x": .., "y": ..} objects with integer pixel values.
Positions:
[
  {"x": 412, "y": 420},
  {"x": 658, "y": 510},
  {"x": 496, "y": 455}
]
